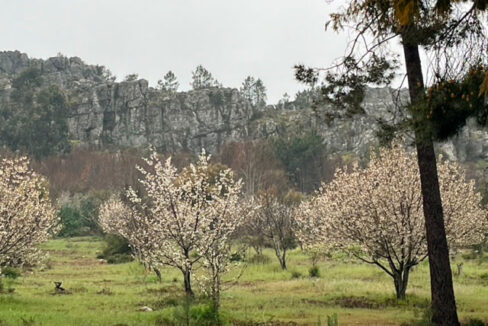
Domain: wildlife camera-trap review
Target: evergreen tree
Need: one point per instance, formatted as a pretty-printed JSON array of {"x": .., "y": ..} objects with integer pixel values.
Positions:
[
  {"x": 169, "y": 83},
  {"x": 202, "y": 78},
  {"x": 35, "y": 120},
  {"x": 131, "y": 77},
  {"x": 254, "y": 91}
]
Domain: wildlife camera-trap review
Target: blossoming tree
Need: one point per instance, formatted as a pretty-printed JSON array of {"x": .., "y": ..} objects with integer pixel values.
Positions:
[
  {"x": 181, "y": 218},
  {"x": 27, "y": 217},
  {"x": 376, "y": 213}
]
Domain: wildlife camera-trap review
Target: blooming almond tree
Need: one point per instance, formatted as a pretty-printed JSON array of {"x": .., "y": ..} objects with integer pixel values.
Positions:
[
  {"x": 376, "y": 213},
  {"x": 181, "y": 216},
  {"x": 27, "y": 217}
]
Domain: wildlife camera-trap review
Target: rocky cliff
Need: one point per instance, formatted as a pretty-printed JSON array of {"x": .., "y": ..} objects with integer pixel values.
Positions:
[{"x": 108, "y": 114}]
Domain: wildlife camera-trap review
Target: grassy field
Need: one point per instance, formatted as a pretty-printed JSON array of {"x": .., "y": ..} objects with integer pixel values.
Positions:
[{"x": 265, "y": 295}]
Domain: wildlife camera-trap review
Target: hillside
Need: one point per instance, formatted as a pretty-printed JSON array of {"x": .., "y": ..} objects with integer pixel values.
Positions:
[{"x": 104, "y": 114}]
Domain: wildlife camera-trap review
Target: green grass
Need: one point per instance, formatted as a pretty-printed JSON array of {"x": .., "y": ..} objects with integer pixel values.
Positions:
[{"x": 103, "y": 294}]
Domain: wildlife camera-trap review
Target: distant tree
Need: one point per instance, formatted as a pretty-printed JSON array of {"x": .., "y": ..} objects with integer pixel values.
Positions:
[
  {"x": 299, "y": 154},
  {"x": 284, "y": 101},
  {"x": 376, "y": 213},
  {"x": 131, "y": 77},
  {"x": 274, "y": 220},
  {"x": 257, "y": 164},
  {"x": 169, "y": 83},
  {"x": 35, "y": 119},
  {"x": 202, "y": 78},
  {"x": 28, "y": 218},
  {"x": 254, "y": 91},
  {"x": 306, "y": 98},
  {"x": 105, "y": 74}
]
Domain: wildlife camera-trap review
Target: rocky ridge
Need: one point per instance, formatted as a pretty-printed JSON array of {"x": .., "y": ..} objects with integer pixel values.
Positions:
[{"x": 105, "y": 114}]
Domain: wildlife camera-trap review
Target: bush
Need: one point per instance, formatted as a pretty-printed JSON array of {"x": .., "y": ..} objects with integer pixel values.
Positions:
[
  {"x": 314, "y": 271},
  {"x": 11, "y": 272},
  {"x": 236, "y": 257},
  {"x": 79, "y": 215},
  {"x": 295, "y": 275},
  {"x": 116, "y": 251}
]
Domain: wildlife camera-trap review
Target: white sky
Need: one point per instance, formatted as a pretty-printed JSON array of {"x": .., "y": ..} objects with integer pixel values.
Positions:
[{"x": 231, "y": 38}]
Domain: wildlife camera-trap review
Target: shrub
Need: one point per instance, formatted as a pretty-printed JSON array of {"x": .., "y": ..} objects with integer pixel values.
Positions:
[
  {"x": 79, "y": 215},
  {"x": 117, "y": 250},
  {"x": 11, "y": 272},
  {"x": 314, "y": 271},
  {"x": 295, "y": 275},
  {"x": 235, "y": 257}
]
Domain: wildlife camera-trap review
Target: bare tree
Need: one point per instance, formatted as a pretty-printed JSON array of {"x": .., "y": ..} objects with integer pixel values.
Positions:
[{"x": 274, "y": 220}]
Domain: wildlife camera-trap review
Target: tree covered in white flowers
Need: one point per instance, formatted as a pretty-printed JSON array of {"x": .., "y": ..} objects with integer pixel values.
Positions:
[
  {"x": 27, "y": 217},
  {"x": 181, "y": 218},
  {"x": 376, "y": 213}
]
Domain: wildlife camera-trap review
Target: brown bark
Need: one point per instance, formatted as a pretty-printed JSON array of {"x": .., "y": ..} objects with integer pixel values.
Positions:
[{"x": 443, "y": 301}]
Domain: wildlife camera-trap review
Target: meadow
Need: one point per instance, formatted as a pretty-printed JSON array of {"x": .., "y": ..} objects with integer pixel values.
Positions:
[{"x": 103, "y": 294}]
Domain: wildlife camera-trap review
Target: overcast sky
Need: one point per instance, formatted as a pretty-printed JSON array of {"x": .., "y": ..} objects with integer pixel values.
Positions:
[{"x": 231, "y": 38}]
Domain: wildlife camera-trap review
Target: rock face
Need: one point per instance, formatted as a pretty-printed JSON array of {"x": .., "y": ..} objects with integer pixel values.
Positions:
[
  {"x": 130, "y": 114},
  {"x": 107, "y": 114}
]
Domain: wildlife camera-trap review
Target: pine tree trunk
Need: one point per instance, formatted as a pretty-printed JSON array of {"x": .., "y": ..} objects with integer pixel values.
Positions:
[{"x": 443, "y": 302}]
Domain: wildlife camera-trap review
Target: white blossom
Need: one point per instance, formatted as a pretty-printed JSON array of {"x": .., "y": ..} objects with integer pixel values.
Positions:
[
  {"x": 376, "y": 213},
  {"x": 27, "y": 217}
]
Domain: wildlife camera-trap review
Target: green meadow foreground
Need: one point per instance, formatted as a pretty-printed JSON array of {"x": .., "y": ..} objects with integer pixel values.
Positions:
[{"x": 264, "y": 295}]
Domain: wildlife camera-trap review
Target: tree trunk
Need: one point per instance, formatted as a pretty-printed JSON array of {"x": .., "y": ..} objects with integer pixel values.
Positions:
[
  {"x": 281, "y": 257},
  {"x": 442, "y": 291},
  {"x": 187, "y": 282},
  {"x": 401, "y": 282},
  {"x": 158, "y": 274},
  {"x": 216, "y": 299}
]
